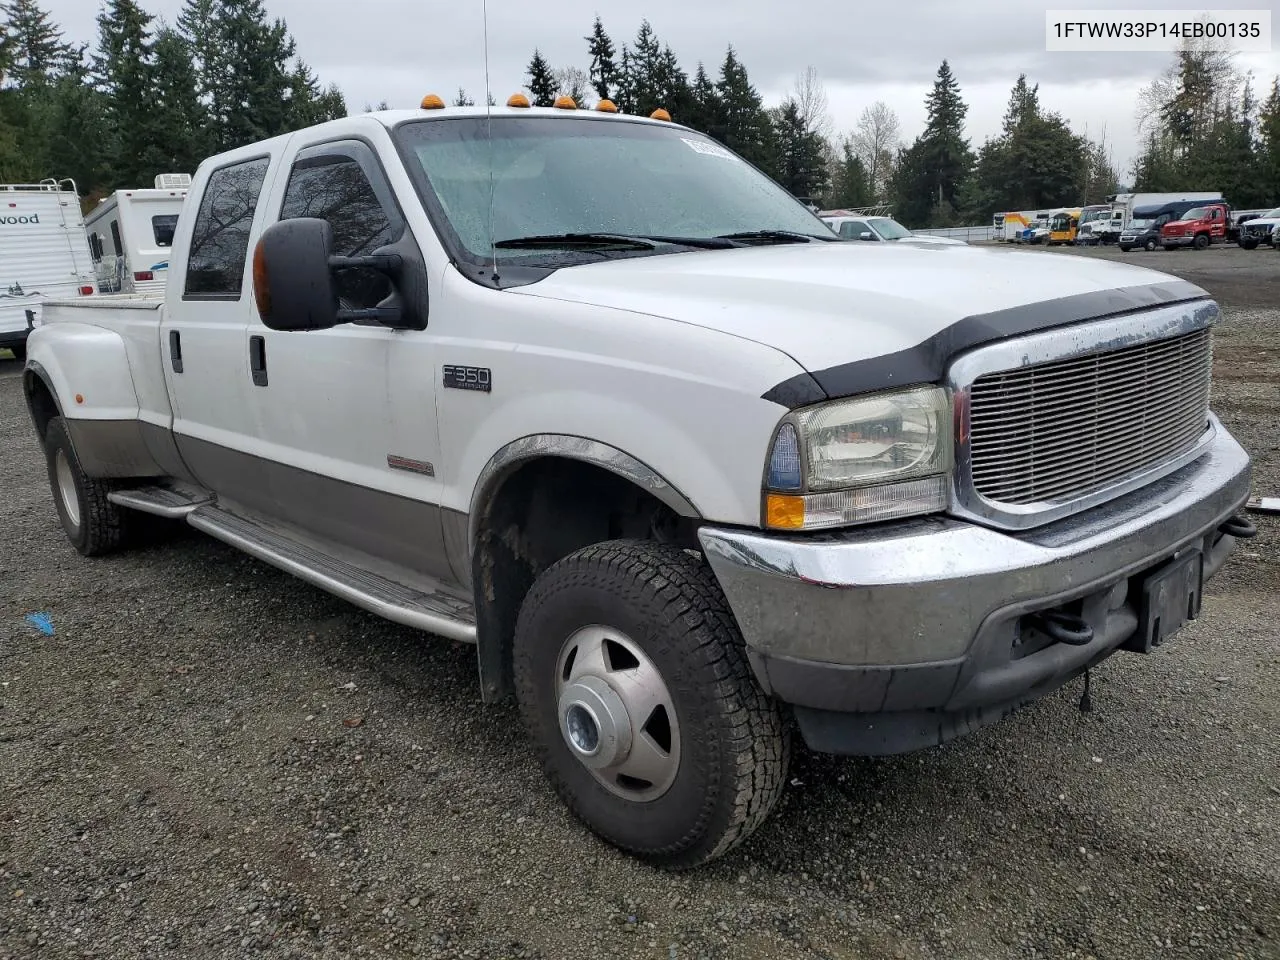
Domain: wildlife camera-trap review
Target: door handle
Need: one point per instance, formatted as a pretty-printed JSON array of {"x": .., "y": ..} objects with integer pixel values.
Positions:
[
  {"x": 258, "y": 360},
  {"x": 175, "y": 350}
]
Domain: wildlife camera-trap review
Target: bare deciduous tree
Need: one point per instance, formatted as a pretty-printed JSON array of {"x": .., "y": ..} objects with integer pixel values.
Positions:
[
  {"x": 574, "y": 82},
  {"x": 876, "y": 139},
  {"x": 811, "y": 100}
]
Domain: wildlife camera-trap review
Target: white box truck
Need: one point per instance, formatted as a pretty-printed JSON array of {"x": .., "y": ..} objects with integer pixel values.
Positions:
[
  {"x": 131, "y": 233},
  {"x": 43, "y": 254}
]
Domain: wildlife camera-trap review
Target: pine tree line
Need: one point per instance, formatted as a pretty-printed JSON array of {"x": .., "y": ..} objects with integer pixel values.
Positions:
[
  {"x": 149, "y": 97},
  {"x": 1210, "y": 133}
]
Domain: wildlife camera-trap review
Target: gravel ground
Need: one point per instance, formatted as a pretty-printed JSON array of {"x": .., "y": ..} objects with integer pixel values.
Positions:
[{"x": 210, "y": 759}]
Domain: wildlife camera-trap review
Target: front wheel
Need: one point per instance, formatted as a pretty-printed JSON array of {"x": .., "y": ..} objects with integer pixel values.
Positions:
[
  {"x": 1125, "y": 248},
  {"x": 1201, "y": 241},
  {"x": 634, "y": 684},
  {"x": 1249, "y": 244},
  {"x": 1149, "y": 246},
  {"x": 92, "y": 523}
]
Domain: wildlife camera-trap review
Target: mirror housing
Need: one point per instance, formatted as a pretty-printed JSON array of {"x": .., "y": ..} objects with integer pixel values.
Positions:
[
  {"x": 866, "y": 235},
  {"x": 294, "y": 278}
]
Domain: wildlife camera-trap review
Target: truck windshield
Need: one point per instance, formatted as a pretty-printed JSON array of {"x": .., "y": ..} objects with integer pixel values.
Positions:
[
  {"x": 545, "y": 177},
  {"x": 1195, "y": 213},
  {"x": 889, "y": 228},
  {"x": 1141, "y": 223}
]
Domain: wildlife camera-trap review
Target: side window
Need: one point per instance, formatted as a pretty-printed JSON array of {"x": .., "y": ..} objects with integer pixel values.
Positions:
[
  {"x": 342, "y": 184},
  {"x": 115, "y": 238},
  {"x": 849, "y": 230},
  {"x": 95, "y": 247},
  {"x": 163, "y": 227},
  {"x": 220, "y": 238}
]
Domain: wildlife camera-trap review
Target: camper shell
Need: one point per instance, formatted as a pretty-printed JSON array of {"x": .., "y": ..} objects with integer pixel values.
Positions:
[
  {"x": 43, "y": 254},
  {"x": 131, "y": 232}
]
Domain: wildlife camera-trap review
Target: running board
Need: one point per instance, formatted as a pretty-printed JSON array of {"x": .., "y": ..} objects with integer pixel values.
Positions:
[
  {"x": 172, "y": 502},
  {"x": 425, "y": 608}
]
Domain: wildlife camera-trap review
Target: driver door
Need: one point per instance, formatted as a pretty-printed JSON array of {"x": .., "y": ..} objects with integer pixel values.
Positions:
[{"x": 346, "y": 416}]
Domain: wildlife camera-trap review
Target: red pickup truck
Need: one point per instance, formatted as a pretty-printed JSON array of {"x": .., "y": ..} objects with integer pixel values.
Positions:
[{"x": 1198, "y": 227}]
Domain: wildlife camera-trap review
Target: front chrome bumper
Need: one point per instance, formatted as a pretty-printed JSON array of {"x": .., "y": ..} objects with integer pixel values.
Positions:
[{"x": 922, "y": 615}]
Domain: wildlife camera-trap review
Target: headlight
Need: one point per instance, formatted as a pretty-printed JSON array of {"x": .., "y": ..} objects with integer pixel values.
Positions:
[{"x": 856, "y": 461}]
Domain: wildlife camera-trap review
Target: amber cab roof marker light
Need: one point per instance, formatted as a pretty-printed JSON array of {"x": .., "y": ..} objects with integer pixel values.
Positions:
[
  {"x": 660, "y": 114},
  {"x": 565, "y": 103},
  {"x": 607, "y": 106},
  {"x": 432, "y": 102},
  {"x": 517, "y": 100}
]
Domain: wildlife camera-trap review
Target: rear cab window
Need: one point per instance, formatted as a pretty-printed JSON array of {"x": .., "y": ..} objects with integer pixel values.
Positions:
[
  {"x": 220, "y": 236},
  {"x": 163, "y": 227}
]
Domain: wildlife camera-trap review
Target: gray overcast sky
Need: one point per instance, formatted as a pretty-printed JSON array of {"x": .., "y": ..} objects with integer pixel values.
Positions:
[{"x": 398, "y": 50}]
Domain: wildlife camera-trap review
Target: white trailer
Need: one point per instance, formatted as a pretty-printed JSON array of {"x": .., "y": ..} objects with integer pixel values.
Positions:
[
  {"x": 43, "y": 254},
  {"x": 131, "y": 232}
]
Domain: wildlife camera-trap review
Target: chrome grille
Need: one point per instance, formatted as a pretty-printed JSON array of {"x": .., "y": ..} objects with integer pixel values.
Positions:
[{"x": 1055, "y": 431}]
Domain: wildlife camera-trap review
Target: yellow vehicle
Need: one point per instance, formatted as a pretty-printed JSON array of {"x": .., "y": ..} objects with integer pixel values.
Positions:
[{"x": 1063, "y": 225}]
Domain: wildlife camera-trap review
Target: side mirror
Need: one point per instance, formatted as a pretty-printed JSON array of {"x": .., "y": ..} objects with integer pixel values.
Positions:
[
  {"x": 293, "y": 278},
  {"x": 866, "y": 235}
]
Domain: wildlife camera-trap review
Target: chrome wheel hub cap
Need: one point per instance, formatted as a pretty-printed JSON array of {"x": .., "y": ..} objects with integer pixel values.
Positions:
[
  {"x": 616, "y": 714},
  {"x": 67, "y": 488}
]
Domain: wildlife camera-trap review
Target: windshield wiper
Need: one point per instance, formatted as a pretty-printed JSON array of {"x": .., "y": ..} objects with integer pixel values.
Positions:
[
  {"x": 774, "y": 236},
  {"x": 626, "y": 241},
  {"x": 578, "y": 240}
]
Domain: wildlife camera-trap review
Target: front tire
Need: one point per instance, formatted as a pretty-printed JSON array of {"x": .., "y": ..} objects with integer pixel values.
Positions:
[
  {"x": 94, "y": 525},
  {"x": 1125, "y": 248},
  {"x": 1149, "y": 246},
  {"x": 634, "y": 684},
  {"x": 1201, "y": 241},
  {"x": 1249, "y": 244}
]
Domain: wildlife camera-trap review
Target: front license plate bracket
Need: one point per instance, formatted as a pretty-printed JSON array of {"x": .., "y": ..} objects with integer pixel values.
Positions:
[{"x": 1170, "y": 599}]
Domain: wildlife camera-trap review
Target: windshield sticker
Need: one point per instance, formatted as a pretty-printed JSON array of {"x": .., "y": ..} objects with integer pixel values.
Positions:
[{"x": 710, "y": 149}]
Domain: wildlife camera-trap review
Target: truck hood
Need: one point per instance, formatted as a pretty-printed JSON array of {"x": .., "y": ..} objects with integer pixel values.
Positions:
[{"x": 837, "y": 303}]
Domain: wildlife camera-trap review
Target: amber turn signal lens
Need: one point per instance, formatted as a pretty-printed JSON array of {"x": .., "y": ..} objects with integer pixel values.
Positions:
[
  {"x": 261, "y": 286},
  {"x": 432, "y": 102},
  {"x": 783, "y": 512}
]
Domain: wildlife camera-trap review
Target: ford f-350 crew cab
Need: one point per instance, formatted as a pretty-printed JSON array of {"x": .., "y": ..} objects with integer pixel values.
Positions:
[{"x": 593, "y": 393}]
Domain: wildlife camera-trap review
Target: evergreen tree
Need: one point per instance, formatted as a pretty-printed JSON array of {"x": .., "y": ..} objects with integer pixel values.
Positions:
[
  {"x": 799, "y": 153},
  {"x": 124, "y": 73},
  {"x": 851, "y": 182},
  {"x": 1269, "y": 144},
  {"x": 183, "y": 132},
  {"x": 462, "y": 100},
  {"x": 253, "y": 100},
  {"x": 603, "y": 71},
  {"x": 36, "y": 53},
  {"x": 542, "y": 81},
  {"x": 705, "y": 111},
  {"x": 935, "y": 167},
  {"x": 1036, "y": 162},
  {"x": 645, "y": 71},
  {"x": 747, "y": 128},
  {"x": 197, "y": 25}
]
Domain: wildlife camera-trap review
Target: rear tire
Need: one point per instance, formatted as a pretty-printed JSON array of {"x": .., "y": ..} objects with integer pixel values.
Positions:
[
  {"x": 646, "y": 627},
  {"x": 94, "y": 525}
]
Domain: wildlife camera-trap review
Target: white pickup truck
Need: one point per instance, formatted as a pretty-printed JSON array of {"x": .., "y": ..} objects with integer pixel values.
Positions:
[{"x": 590, "y": 391}]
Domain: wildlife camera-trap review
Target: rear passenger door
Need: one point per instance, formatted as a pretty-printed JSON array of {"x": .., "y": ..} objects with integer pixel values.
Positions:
[
  {"x": 202, "y": 338},
  {"x": 347, "y": 415}
]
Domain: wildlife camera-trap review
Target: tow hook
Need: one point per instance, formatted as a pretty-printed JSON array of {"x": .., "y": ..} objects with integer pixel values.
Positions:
[
  {"x": 1238, "y": 527},
  {"x": 1063, "y": 627}
]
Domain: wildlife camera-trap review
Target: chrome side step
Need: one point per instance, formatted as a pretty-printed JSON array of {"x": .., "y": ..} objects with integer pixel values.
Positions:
[
  {"x": 174, "y": 501},
  {"x": 424, "y": 607}
]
